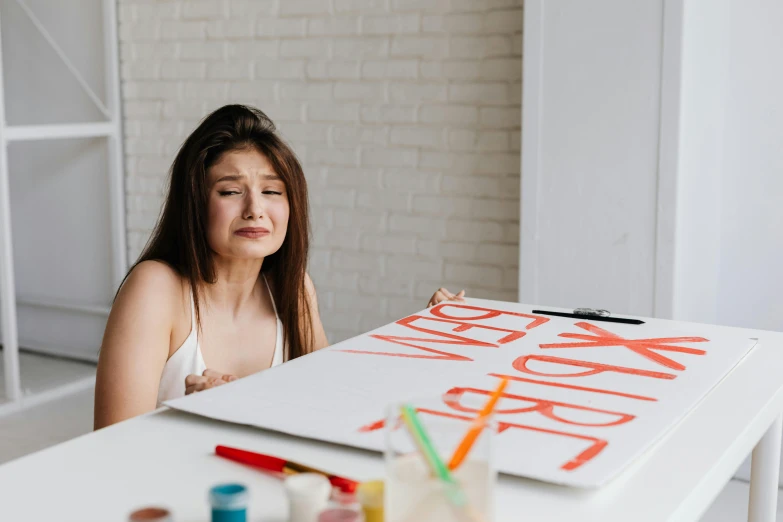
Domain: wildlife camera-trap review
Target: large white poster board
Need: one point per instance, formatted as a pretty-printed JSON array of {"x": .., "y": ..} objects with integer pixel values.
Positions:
[{"x": 585, "y": 398}]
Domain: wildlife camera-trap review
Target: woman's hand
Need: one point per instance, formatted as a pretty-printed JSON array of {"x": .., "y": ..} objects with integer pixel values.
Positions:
[
  {"x": 444, "y": 295},
  {"x": 208, "y": 379}
]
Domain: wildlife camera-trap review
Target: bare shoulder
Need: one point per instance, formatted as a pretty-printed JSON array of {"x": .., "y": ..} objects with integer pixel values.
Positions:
[{"x": 154, "y": 285}]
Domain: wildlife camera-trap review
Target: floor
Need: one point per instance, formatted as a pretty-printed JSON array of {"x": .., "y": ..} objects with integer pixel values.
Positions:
[{"x": 59, "y": 420}]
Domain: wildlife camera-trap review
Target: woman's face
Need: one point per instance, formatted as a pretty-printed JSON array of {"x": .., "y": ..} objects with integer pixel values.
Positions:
[{"x": 248, "y": 206}]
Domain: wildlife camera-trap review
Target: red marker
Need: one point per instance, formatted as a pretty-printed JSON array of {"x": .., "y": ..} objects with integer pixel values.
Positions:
[{"x": 277, "y": 465}]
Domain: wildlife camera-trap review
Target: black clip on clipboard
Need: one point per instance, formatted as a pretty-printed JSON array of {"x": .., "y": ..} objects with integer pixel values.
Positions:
[{"x": 591, "y": 315}]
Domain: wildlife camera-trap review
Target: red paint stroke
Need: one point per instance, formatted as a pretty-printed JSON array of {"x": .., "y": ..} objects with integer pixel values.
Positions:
[
  {"x": 543, "y": 406},
  {"x": 585, "y": 456},
  {"x": 520, "y": 364},
  {"x": 572, "y": 387},
  {"x": 536, "y": 320},
  {"x": 643, "y": 347}
]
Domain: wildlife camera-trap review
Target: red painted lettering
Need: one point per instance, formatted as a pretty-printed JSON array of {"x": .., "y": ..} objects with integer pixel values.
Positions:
[{"x": 594, "y": 368}]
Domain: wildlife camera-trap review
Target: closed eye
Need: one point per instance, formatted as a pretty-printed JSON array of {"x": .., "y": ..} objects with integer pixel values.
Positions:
[
  {"x": 273, "y": 192},
  {"x": 227, "y": 192}
]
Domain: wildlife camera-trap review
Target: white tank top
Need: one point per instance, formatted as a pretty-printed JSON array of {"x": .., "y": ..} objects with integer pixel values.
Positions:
[{"x": 188, "y": 359}]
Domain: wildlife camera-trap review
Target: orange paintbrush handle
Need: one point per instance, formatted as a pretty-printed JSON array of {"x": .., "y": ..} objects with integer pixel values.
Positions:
[{"x": 476, "y": 426}]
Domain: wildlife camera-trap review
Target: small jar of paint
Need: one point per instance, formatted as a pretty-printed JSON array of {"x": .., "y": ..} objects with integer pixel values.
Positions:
[
  {"x": 342, "y": 507},
  {"x": 308, "y": 495},
  {"x": 150, "y": 514},
  {"x": 229, "y": 503}
]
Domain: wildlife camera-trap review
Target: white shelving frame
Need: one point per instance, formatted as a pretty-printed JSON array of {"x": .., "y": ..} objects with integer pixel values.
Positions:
[{"x": 112, "y": 131}]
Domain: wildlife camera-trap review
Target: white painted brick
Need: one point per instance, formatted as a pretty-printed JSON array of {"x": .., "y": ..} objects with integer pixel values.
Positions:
[
  {"x": 337, "y": 281},
  {"x": 384, "y": 200},
  {"x": 360, "y": 91},
  {"x": 462, "y": 139},
  {"x": 516, "y": 140},
  {"x": 133, "y": 109},
  {"x": 126, "y": 13},
  {"x": 452, "y": 70},
  {"x": 148, "y": 51},
  {"x": 461, "y": 23},
  {"x": 364, "y": 47},
  {"x": 511, "y": 276},
  {"x": 388, "y": 114},
  {"x": 155, "y": 166},
  {"x": 389, "y": 244},
  {"x": 495, "y": 209},
  {"x": 391, "y": 24},
  {"x": 148, "y": 70},
  {"x": 484, "y": 93},
  {"x": 250, "y": 8},
  {"x": 231, "y": 29},
  {"x": 194, "y": 50},
  {"x": 271, "y": 27},
  {"x": 515, "y": 93},
  {"x": 157, "y": 11},
  {"x": 509, "y": 21},
  {"x": 483, "y": 275},
  {"x": 499, "y": 163},
  {"x": 303, "y": 91},
  {"x": 150, "y": 90},
  {"x": 278, "y": 69},
  {"x": 178, "y": 30},
  {"x": 141, "y": 221},
  {"x": 480, "y": 46},
  {"x": 204, "y": 9},
  {"x": 484, "y": 5},
  {"x": 339, "y": 197},
  {"x": 283, "y": 112},
  {"x": 309, "y": 48},
  {"x": 333, "y": 156},
  {"x": 333, "y": 70},
  {"x": 346, "y": 318},
  {"x": 179, "y": 70},
  {"x": 304, "y": 132},
  {"x": 353, "y": 178},
  {"x": 415, "y": 181},
  {"x": 502, "y": 69},
  {"x": 421, "y": 5},
  {"x": 476, "y": 186},
  {"x": 423, "y": 227},
  {"x": 236, "y": 51},
  {"x": 126, "y": 52},
  {"x": 358, "y": 135},
  {"x": 440, "y": 206},
  {"x": 418, "y": 137},
  {"x": 499, "y": 254},
  {"x": 397, "y": 69},
  {"x": 357, "y": 262},
  {"x": 420, "y": 46},
  {"x": 252, "y": 90},
  {"x": 162, "y": 128},
  {"x": 418, "y": 92},
  {"x": 360, "y": 6},
  {"x": 510, "y": 186},
  {"x": 333, "y": 112},
  {"x": 448, "y": 114},
  {"x": 458, "y": 250},
  {"x": 320, "y": 258},
  {"x": 426, "y": 289},
  {"x": 365, "y": 303},
  {"x": 457, "y": 229},
  {"x": 144, "y": 185},
  {"x": 340, "y": 238},
  {"x": 177, "y": 109},
  {"x": 381, "y": 286},
  {"x": 382, "y": 157},
  {"x": 333, "y": 26},
  {"x": 398, "y": 265},
  {"x": 493, "y": 140},
  {"x": 140, "y": 31},
  {"x": 303, "y": 7},
  {"x": 501, "y": 117},
  {"x": 516, "y": 45},
  {"x": 399, "y": 307}
]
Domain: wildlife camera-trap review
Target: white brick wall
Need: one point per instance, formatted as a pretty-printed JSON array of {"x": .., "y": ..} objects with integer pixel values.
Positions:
[{"x": 405, "y": 114}]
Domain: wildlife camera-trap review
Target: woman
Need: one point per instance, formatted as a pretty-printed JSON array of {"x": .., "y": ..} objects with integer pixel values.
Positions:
[{"x": 220, "y": 291}]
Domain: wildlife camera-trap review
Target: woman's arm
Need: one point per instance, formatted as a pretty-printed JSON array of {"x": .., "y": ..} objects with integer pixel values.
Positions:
[
  {"x": 136, "y": 343},
  {"x": 319, "y": 335}
]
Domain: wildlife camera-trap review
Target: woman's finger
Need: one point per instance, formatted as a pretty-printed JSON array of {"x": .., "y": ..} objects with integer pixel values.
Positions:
[{"x": 193, "y": 379}]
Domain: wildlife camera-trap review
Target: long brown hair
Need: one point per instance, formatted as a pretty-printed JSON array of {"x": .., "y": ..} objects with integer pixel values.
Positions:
[{"x": 180, "y": 235}]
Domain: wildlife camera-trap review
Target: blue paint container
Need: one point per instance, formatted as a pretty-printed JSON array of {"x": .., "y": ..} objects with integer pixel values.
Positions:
[{"x": 229, "y": 503}]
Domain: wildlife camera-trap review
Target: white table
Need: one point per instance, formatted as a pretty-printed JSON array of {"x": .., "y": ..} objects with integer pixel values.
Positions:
[{"x": 167, "y": 458}]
